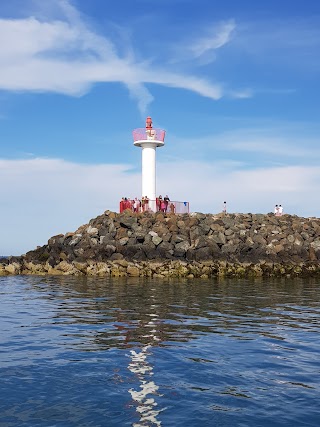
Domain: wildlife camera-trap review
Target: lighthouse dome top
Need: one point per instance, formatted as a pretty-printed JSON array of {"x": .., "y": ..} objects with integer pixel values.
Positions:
[{"x": 148, "y": 135}]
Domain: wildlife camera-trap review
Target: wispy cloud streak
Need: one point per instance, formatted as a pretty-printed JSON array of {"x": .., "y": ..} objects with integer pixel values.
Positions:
[
  {"x": 216, "y": 37},
  {"x": 68, "y": 57}
]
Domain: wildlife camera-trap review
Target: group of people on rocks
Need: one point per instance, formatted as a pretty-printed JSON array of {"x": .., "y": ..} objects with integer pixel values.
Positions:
[
  {"x": 143, "y": 204},
  {"x": 278, "y": 210},
  {"x": 135, "y": 205},
  {"x": 163, "y": 204}
]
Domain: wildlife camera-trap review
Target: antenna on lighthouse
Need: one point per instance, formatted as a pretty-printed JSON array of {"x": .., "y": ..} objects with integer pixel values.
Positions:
[{"x": 149, "y": 139}]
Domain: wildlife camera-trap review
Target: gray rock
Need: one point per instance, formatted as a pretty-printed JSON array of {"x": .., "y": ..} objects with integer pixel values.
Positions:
[
  {"x": 203, "y": 254},
  {"x": 165, "y": 250},
  {"x": 219, "y": 238},
  {"x": 128, "y": 222},
  {"x": 201, "y": 242},
  {"x": 182, "y": 246},
  {"x": 75, "y": 240},
  {"x": 153, "y": 233},
  {"x": 259, "y": 239},
  {"x": 316, "y": 245},
  {"x": 177, "y": 238},
  {"x": 92, "y": 230},
  {"x": 156, "y": 240},
  {"x": 94, "y": 242},
  {"x": 124, "y": 241},
  {"x": 229, "y": 248}
]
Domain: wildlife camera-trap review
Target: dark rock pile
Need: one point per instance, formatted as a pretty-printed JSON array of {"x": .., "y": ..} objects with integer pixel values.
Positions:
[{"x": 192, "y": 245}]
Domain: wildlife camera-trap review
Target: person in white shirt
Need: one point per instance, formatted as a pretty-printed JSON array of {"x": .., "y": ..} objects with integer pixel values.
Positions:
[
  {"x": 224, "y": 207},
  {"x": 136, "y": 205}
]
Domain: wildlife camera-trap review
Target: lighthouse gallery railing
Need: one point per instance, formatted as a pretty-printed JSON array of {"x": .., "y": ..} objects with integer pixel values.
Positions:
[{"x": 141, "y": 134}]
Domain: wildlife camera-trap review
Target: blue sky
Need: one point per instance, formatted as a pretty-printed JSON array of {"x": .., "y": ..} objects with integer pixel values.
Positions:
[{"x": 235, "y": 84}]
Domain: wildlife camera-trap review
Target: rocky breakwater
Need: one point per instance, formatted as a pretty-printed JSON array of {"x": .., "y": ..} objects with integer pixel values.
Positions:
[{"x": 189, "y": 245}]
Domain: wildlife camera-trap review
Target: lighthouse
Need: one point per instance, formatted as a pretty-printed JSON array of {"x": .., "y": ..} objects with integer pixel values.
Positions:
[{"x": 149, "y": 139}]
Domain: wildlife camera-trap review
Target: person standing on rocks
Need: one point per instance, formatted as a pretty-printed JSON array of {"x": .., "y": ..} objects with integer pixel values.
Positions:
[
  {"x": 280, "y": 210},
  {"x": 276, "y": 210},
  {"x": 135, "y": 205},
  {"x": 166, "y": 202},
  {"x": 224, "y": 208},
  {"x": 146, "y": 203}
]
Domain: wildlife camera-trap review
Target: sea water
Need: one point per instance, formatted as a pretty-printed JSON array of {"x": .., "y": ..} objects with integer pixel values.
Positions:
[{"x": 132, "y": 352}]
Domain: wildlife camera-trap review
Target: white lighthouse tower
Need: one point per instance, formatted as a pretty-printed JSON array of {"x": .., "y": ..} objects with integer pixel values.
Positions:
[{"x": 149, "y": 139}]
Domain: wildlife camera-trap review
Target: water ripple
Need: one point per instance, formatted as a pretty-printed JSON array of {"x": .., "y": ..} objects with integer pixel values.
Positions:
[{"x": 87, "y": 351}]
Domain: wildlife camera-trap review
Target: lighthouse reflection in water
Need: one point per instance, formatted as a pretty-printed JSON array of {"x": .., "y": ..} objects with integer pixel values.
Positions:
[
  {"x": 145, "y": 394},
  {"x": 147, "y": 332}
]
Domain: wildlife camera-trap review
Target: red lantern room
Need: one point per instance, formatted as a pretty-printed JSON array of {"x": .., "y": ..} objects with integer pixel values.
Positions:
[{"x": 148, "y": 123}]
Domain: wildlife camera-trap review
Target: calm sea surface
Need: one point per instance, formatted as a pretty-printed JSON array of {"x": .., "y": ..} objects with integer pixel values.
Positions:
[{"x": 106, "y": 352}]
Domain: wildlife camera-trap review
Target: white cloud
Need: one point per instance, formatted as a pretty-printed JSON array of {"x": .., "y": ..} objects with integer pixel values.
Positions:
[
  {"x": 291, "y": 42},
  {"x": 216, "y": 37},
  {"x": 241, "y": 94},
  {"x": 141, "y": 94},
  {"x": 67, "y": 57},
  {"x": 277, "y": 142},
  {"x": 272, "y": 146},
  {"x": 203, "y": 44},
  {"x": 44, "y": 197},
  {"x": 206, "y": 186}
]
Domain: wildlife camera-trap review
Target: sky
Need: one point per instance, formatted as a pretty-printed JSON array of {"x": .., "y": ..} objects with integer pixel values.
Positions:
[{"x": 235, "y": 84}]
